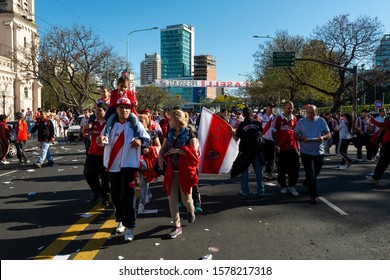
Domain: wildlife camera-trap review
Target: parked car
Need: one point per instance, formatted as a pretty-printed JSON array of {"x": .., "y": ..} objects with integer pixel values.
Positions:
[
  {"x": 73, "y": 131},
  {"x": 31, "y": 143}
]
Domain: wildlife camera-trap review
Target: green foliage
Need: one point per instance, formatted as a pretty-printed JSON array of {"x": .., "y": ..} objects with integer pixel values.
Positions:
[{"x": 151, "y": 97}]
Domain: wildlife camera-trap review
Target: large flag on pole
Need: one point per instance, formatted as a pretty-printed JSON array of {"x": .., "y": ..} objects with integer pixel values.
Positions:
[{"x": 218, "y": 148}]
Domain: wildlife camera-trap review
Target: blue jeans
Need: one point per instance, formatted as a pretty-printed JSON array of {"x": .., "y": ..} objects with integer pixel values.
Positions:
[
  {"x": 45, "y": 153},
  {"x": 259, "y": 178}
]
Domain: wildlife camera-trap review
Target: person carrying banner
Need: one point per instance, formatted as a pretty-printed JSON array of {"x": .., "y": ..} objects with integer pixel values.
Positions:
[{"x": 249, "y": 152}]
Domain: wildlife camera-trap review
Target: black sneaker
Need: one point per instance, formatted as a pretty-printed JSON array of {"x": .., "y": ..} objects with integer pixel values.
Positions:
[{"x": 50, "y": 163}]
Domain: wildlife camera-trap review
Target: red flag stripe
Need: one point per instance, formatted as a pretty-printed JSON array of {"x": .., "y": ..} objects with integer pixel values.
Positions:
[
  {"x": 216, "y": 145},
  {"x": 116, "y": 148}
]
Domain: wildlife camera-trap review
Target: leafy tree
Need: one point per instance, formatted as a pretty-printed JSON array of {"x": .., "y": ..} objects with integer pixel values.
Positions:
[
  {"x": 72, "y": 62},
  {"x": 151, "y": 97},
  {"x": 338, "y": 45}
]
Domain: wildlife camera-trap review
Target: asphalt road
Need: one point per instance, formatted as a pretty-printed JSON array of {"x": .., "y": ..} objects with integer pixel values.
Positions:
[{"x": 46, "y": 214}]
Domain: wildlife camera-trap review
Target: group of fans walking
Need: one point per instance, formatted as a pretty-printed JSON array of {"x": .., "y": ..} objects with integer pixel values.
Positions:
[{"x": 127, "y": 150}]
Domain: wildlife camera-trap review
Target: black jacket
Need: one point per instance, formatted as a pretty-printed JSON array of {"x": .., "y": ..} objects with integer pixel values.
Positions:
[
  {"x": 249, "y": 132},
  {"x": 45, "y": 130}
]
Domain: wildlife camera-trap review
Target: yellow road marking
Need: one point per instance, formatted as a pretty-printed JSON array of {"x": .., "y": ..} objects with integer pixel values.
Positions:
[
  {"x": 70, "y": 234},
  {"x": 89, "y": 251}
]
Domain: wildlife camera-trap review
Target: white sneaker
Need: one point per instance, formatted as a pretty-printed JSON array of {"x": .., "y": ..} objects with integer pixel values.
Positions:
[
  {"x": 141, "y": 208},
  {"x": 120, "y": 228},
  {"x": 284, "y": 190},
  {"x": 342, "y": 167},
  {"x": 5, "y": 162},
  {"x": 129, "y": 235},
  {"x": 148, "y": 198},
  {"x": 293, "y": 191}
]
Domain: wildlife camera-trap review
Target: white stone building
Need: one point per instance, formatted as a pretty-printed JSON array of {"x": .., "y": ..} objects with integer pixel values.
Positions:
[{"x": 17, "y": 30}]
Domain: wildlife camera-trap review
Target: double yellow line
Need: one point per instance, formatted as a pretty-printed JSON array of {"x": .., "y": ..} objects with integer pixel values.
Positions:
[{"x": 89, "y": 251}]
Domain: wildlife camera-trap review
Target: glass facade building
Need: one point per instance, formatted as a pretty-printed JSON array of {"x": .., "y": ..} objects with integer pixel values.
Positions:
[
  {"x": 177, "y": 57},
  {"x": 382, "y": 54}
]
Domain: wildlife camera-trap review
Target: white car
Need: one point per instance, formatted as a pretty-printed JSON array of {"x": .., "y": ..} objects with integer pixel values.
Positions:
[{"x": 74, "y": 129}]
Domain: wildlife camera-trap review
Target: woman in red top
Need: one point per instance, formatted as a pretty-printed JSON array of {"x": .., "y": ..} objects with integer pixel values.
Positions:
[
  {"x": 4, "y": 139},
  {"x": 21, "y": 137}
]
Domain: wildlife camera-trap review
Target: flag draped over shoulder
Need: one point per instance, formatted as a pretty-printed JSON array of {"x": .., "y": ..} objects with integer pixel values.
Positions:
[{"x": 217, "y": 145}]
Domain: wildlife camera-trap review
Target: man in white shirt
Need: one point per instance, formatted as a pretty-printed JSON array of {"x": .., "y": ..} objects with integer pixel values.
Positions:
[
  {"x": 122, "y": 153},
  {"x": 268, "y": 150}
]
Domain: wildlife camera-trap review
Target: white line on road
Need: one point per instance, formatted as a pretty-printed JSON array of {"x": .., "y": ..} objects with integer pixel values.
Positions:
[
  {"x": 8, "y": 173},
  {"x": 334, "y": 207}
]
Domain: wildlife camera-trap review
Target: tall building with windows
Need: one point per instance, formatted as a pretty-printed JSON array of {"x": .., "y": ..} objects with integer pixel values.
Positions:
[
  {"x": 382, "y": 54},
  {"x": 18, "y": 31},
  {"x": 150, "y": 69},
  {"x": 177, "y": 57},
  {"x": 205, "y": 69}
]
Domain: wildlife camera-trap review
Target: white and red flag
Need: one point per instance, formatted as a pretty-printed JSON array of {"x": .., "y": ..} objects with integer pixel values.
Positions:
[{"x": 217, "y": 145}]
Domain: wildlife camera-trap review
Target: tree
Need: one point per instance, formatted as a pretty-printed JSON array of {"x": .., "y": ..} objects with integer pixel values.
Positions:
[
  {"x": 72, "y": 62},
  {"x": 151, "y": 97},
  {"x": 338, "y": 45},
  {"x": 274, "y": 83}
]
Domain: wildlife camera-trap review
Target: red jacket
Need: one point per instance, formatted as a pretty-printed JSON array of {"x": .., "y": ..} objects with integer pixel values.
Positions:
[
  {"x": 188, "y": 177},
  {"x": 151, "y": 158},
  {"x": 386, "y": 126}
]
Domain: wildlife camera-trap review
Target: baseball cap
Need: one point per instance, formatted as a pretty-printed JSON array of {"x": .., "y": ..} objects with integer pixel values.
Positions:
[
  {"x": 145, "y": 111},
  {"x": 19, "y": 115},
  {"x": 123, "y": 102}
]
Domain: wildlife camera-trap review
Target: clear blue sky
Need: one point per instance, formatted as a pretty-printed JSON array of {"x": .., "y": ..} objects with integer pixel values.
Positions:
[{"x": 223, "y": 28}]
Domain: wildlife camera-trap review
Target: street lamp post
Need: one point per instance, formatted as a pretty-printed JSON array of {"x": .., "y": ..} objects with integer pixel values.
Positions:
[
  {"x": 263, "y": 37},
  {"x": 127, "y": 39}
]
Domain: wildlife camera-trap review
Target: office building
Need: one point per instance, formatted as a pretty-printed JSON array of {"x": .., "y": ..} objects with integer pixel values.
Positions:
[
  {"x": 150, "y": 69},
  {"x": 177, "y": 57},
  {"x": 205, "y": 69},
  {"x": 382, "y": 54}
]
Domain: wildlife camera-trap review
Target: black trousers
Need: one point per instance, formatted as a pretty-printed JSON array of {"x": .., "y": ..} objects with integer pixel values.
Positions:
[
  {"x": 363, "y": 140},
  {"x": 93, "y": 169},
  {"x": 287, "y": 162},
  {"x": 312, "y": 166},
  {"x": 343, "y": 150},
  {"x": 268, "y": 150},
  {"x": 383, "y": 162},
  {"x": 21, "y": 154},
  {"x": 123, "y": 195}
]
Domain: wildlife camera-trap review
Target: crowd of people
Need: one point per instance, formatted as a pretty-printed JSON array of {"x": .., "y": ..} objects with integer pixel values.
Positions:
[{"x": 126, "y": 150}]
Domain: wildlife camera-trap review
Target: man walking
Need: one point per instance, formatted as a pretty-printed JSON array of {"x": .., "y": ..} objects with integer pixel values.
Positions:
[
  {"x": 311, "y": 132},
  {"x": 45, "y": 129},
  {"x": 268, "y": 150},
  {"x": 286, "y": 149},
  {"x": 362, "y": 125},
  {"x": 122, "y": 158},
  {"x": 249, "y": 132}
]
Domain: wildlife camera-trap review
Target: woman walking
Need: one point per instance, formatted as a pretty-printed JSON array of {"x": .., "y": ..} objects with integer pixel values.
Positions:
[{"x": 179, "y": 153}]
